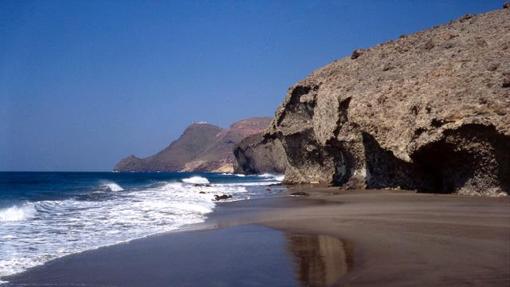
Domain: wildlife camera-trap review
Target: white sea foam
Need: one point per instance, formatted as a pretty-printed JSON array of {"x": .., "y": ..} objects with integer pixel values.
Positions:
[
  {"x": 44, "y": 230},
  {"x": 279, "y": 177},
  {"x": 269, "y": 175},
  {"x": 17, "y": 213},
  {"x": 262, "y": 183},
  {"x": 36, "y": 232},
  {"x": 234, "y": 174},
  {"x": 112, "y": 186},
  {"x": 196, "y": 180},
  {"x": 265, "y": 175}
]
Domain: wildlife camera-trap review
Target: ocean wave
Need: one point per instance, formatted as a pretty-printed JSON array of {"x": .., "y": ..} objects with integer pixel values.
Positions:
[
  {"x": 74, "y": 225},
  {"x": 254, "y": 183},
  {"x": 17, "y": 213},
  {"x": 111, "y": 186},
  {"x": 265, "y": 175},
  {"x": 196, "y": 180},
  {"x": 233, "y": 174},
  {"x": 277, "y": 177},
  {"x": 33, "y": 233}
]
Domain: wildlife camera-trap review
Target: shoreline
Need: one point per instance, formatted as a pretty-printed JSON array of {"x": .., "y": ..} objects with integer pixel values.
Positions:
[{"x": 397, "y": 237}]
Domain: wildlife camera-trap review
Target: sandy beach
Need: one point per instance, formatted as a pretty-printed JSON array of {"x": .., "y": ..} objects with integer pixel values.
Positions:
[
  {"x": 255, "y": 143},
  {"x": 409, "y": 239},
  {"x": 328, "y": 238}
]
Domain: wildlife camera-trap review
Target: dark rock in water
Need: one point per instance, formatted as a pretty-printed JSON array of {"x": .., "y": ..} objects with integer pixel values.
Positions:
[
  {"x": 201, "y": 192},
  {"x": 300, "y": 193},
  {"x": 256, "y": 154},
  {"x": 222, "y": 197},
  {"x": 506, "y": 5},
  {"x": 437, "y": 121},
  {"x": 201, "y": 147}
]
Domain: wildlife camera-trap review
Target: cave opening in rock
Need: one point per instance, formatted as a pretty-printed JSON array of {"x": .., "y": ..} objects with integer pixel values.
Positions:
[
  {"x": 474, "y": 157},
  {"x": 444, "y": 169}
]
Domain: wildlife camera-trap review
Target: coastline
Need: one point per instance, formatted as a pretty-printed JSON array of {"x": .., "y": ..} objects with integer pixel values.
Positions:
[
  {"x": 395, "y": 238},
  {"x": 388, "y": 164}
]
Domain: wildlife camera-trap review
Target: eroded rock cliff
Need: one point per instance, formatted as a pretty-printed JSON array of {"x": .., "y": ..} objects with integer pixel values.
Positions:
[
  {"x": 429, "y": 111},
  {"x": 256, "y": 154}
]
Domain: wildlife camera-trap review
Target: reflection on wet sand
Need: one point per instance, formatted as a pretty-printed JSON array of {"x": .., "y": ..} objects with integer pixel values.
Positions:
[{"x": 320, "y": 260}]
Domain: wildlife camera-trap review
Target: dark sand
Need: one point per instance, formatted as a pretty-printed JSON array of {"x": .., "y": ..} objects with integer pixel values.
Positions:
[
  {"x": 245, "y": 255},
  {"x": 369, "y": 238}
]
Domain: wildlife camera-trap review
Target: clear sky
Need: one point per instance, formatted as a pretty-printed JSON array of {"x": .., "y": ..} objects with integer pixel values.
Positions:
[{"x": 84, "y": 83}]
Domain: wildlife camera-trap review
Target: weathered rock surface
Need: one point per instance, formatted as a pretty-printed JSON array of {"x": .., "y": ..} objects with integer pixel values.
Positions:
[
  {"x": 429, "y": 111},
  {"x": 201, "y": 147},
  {"x": 256, "y": 154}
]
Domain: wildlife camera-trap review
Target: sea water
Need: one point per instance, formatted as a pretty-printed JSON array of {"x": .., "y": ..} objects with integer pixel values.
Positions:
[{"x": 46, "y": 215}]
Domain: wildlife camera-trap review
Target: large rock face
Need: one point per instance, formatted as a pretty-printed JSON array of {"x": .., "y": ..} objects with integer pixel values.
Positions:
[
  {"x": 429, "y": 111},
  {"x": 256, "y": 154},
  {"x": 201, "y": 147}
]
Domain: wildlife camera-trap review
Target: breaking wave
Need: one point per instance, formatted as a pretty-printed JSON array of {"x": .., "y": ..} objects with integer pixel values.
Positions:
[
  {"x": 17, "y": 213},
  {"x": 112, "y": 186},
  {"x": 196, "y": 180},
  {"x": 33, "y": 233},
  {"x": 277, "y": 177}
]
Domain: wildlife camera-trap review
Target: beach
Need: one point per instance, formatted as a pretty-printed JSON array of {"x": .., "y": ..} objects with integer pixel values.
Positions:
[
  {"x": 255, "y": 143},
  {"x": 328, "y": 238}
]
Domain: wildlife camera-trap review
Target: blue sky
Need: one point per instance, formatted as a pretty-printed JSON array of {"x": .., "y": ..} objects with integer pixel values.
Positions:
[{"x": 84, "y": 83}]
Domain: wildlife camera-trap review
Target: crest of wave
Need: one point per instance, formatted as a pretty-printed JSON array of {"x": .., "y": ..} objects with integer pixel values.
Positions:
[{"x": 17, "y": 213}]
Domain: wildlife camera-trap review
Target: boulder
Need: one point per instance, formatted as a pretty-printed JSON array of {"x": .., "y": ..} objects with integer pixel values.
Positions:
[{"x": 222, "y": 197}]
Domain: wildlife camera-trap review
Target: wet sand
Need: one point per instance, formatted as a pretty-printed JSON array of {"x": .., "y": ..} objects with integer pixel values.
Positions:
[
  {"x": 401, "y": 238},
  {"x": 330, "y": 238},
  {"x": 245, "y": 255},
  {"x": 410, "y": 239}
]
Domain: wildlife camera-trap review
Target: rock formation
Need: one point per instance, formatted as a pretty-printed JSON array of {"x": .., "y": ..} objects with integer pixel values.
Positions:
[
  {"x": 428, "y": 111},
  {"x": 257, "y": 155},
  {"x": 201, "y": 147}
]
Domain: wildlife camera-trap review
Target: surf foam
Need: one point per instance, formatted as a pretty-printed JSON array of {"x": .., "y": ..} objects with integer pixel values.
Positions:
[
  {"x": 196, "y": 180},
  {"x": 36, "y": 232},
  {"x": 17, "y": 213},
  {"x": 112, "y": 186}
]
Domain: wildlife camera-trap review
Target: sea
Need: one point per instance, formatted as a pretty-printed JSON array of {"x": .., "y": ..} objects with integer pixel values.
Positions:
[{"x": 46, "y": 215}]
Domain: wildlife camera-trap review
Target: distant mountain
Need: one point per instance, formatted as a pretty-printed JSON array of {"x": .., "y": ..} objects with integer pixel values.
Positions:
[{"x": 201, "y": 147}]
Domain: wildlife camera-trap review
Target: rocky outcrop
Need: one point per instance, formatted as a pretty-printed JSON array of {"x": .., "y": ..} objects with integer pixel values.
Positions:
[
  {"x": 429, "y": 111},
  {"x": 201, "y": 147},
  {"x": 256, "y": 154}
]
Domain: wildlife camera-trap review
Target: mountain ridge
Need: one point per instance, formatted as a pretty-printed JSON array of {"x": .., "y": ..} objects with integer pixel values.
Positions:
[{"x": 201, "y": 147}]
